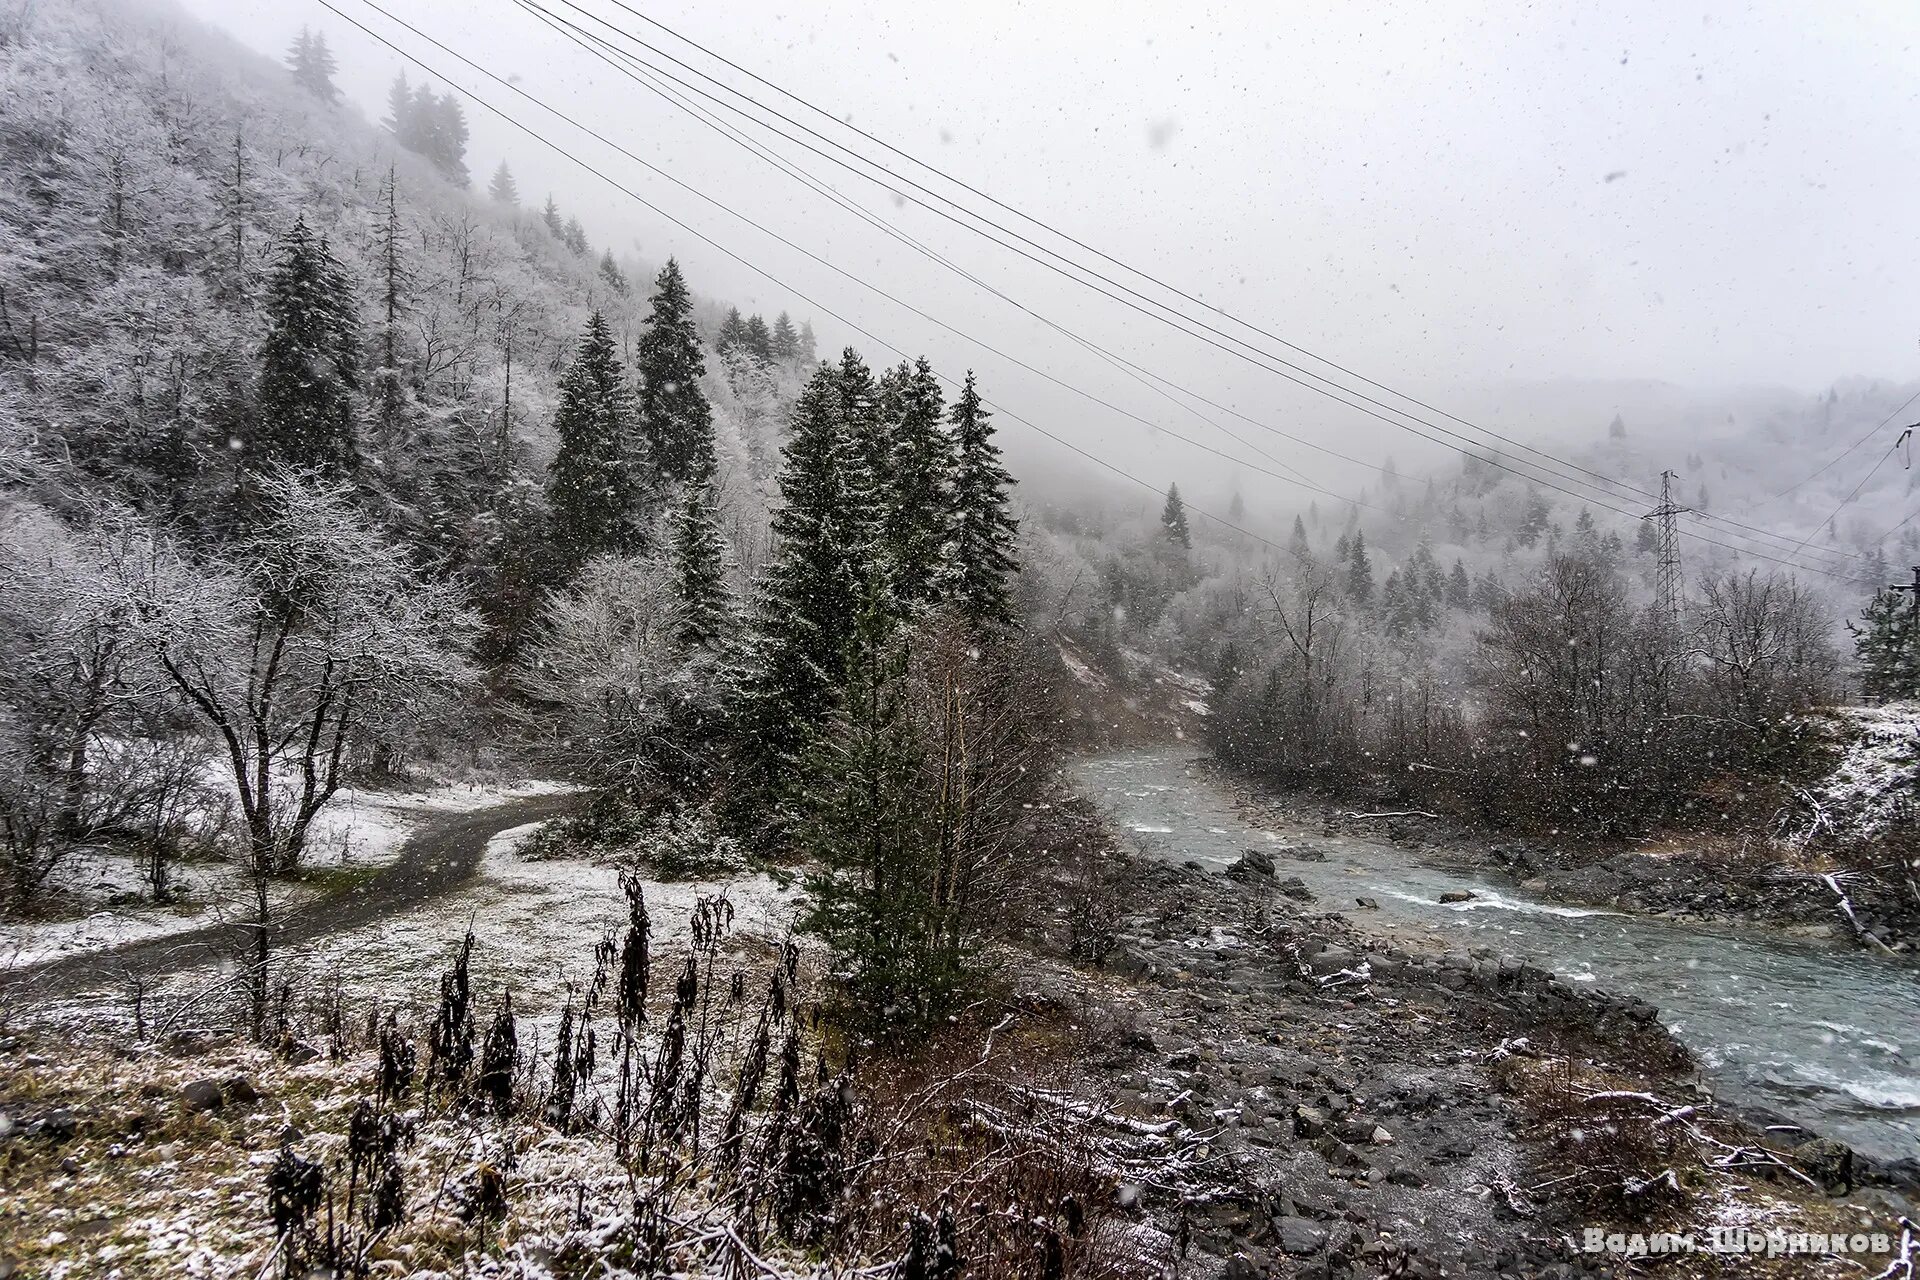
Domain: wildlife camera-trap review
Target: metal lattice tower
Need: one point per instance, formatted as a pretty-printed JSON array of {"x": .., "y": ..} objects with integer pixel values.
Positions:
[{"x": 1667, "y": 574}]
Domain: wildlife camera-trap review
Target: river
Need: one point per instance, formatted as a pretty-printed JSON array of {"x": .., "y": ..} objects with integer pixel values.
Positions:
[{"x": 1827, "y": 1038}]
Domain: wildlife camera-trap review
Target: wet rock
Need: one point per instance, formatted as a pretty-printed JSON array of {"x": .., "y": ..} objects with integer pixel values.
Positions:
[
  {"x": 1254, "y": 863},
  {"x": 1457, "y": 895},
  {"x": 1306, "y": 853},
  {"x": 1368, "y": 904},
  {"x": 1826, "y": 1161},
  {"x": 1296, "y": 888},
  {"x": 1300, "y": 1237},
  {"x": 1241, "y": 1267}
]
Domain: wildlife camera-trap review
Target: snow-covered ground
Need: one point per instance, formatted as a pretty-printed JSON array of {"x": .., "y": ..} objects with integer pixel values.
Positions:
[
  {"x": 1877, "y": 779},
  {"x": 359, "y": 829}
]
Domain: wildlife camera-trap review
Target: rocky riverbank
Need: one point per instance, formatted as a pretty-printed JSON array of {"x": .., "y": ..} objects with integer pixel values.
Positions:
[
  {"x": 1335, "y": 1104},
  {"x": 1710, "y": 879}
]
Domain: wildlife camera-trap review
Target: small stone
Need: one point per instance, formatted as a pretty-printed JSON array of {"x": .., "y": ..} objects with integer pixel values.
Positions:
[
  {"x": 1253, "y": 863},
  {"x": 1309, "y": 1122},
  {"x": 240, "y": 1090},
  {"x": 1296, "y": 888},
  {"x": 302, "y": 1053},
  {"x": 1368, "y": 904},
  {"x": 1457, "y": 895}
]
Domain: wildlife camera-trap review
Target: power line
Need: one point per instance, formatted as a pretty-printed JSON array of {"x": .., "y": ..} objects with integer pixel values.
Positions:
[
  {"x": 1038, "y": 222},
  {"x": 769, "y": 276},
  {"x": 578, "y": 34},
  {"x": 729, "y": 253},
  {"x": 1838, "y": 457}
]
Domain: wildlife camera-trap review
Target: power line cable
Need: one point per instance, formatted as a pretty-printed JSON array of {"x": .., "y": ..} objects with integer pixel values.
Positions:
[
  {"x": 1750, "y": 531},
  {"x": 729, "y": 253}
]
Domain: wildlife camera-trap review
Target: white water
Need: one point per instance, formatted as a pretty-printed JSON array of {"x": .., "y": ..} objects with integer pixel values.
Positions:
[{"x": 1828, "y": 1038}]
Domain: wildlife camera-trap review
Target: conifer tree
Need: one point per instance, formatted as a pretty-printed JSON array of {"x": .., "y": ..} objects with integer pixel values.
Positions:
[
  {"x": 675, "y": 419},
  {"x": 809, "y": 593},
  {"x": 551, "y": 216},
  {"x": 980, "y": 554},
  {"x": 313, "y": 66},
  {"x": 759, "y": 339},
  {"x": 1298, "y": 544},
  {"x": 1359, "y": 569},
  {"x": 808, "y": 346},
  {"x": 389, "y": 392},
  {"x": 733, "y": 331},
  {"x": 918, "y": 481},
  {"x": 786, "y": 341},
  {"x": 1459, "y": 586},
  {"x": 1173, "y": 520},
  {"x": 574, "y": 236},
  {"x": 708, "y": 610},
  {"x": 1237, "y": 508},
  {"x": 611, "y": 273},
  {"x": 592, "y": 485},
  {"x": 503, "y": 189},
  {"x": 400, "y": 116},
  {"x": 309, "y": 361},
  {"x": 1887, "y": 646}
]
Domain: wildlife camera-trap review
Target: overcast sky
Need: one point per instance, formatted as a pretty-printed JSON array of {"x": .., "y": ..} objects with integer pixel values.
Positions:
[{"x": 1434, "y": 193}]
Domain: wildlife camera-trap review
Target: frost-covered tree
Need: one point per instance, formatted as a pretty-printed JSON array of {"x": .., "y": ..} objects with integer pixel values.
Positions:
[
  {"x": 312, "y": 65},
  {"x": 594, "y": 488},
  {"x": 786, "y": 339},
  {"x": 1359, "y": 569},
  {"x": 675, "y": 419},
  {"x": 309, "y": 361},
  {"x": 503, "y": 189},
  {"x": 1886, "y": 646},
  {"x": 980, "y": 555},
  {"x": 1173, "y": 520},
  {"x": 810, "y": 592},
  {"x": 610, "y": 272},
  {"x": 550, "y": 215},
  {"x": 917, "y": 484}
]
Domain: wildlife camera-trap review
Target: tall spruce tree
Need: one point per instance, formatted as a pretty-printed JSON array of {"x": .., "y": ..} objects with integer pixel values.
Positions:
[
  {"x": 857, "y": 410},
  {"x": 503, "y": 189},
  {"x": 675, "y": 419},
  {"x": 610, "y": 272},
  {"x": 1359, "y": 570},
  {"x": 1173, "y": 520},
  {"x": 550, "y": 215},
  {"x": 1887, "y": 646},
  {"x": 309, "y": 362},
  {"x": 786, "y": 339},
  {"x": 980, "y": 552},
  {"x": 313, "y": 66},
  {"x": 809, "y": 593},
  {"x": 593, "y": 485},
  {"x": 918, "y": 483},
  {"x": 701, "y": 562}
]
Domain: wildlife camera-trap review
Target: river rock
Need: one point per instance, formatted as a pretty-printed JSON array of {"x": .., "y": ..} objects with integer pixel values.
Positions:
[
  {"x": 1368, "y": 904},
  {"x": 1457, "y": 895},
  {"x": 1296, "y": 888},
  {"x": 1300, "y": 1237}
]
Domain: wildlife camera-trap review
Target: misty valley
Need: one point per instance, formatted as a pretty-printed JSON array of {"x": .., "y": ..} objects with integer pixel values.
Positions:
[{"x": 642, "y": 641}]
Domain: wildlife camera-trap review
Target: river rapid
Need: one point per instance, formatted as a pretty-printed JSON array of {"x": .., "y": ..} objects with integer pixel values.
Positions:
[{"x": 1829, "y": 1039}]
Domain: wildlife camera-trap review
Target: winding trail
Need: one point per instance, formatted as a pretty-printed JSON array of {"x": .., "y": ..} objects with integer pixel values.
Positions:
[{"x": 437, "y": 859}]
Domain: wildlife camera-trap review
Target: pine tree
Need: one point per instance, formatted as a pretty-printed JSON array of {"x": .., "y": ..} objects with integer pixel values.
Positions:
[
  {"x": 733, "y": 331},
  {"x": 401, "y": 120},
  {"x": 313, "y": 66},
  {"x": 1298, "y": 544},
  {"x": 551, "y": 216},
  {"x": 858, "y": 410},
  {"x": 611, "y": 273},
  {"x": 592, "y": 485},
  {"x": 574, "y": 236},
  {"x": 503, "y": 189},
  {"x": 675, "y": 419},
  {"x": 980, "y": 555},
  {"x": 1237, "y": 508},
  {"x": 708, "y": 610},
  {"x": 809, "y": 595},
  {"x": 808, "y": 346},
  {"x": 918, "y": 481},
  {"x": 1887, "y": 647},
  {"x": 786, "y": 341},
  {"x": 759, "y": 339},
  {"x": 390, "y": 392},
  {"x": 1459, "y": 586},
  {"x": 1173, "y": 520},
  {"x": 1359, "y": 570},
  {"x": 309, "y": 361}
]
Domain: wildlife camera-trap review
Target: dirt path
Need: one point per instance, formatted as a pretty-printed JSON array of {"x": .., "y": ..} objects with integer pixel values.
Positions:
[{"x": 435, "y": 860}]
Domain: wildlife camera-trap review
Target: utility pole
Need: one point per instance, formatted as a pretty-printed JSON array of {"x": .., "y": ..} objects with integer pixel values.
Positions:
[
  {"x": 1913, "y": 603},
  {"x": 1667, "y": 573}
]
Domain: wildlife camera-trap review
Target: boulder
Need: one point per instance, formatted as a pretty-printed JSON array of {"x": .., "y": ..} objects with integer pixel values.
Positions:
[
  {"x": 1368, "y": 904},
  {"x": 1296, "y": 888},
  {"x": 1254, "y": 863},
  {"x": 1457, "y": 895},
  {"x": 202, "y": 1095},
  {"x": 1299, "y": 1236}
]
